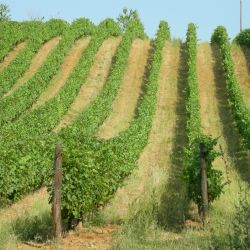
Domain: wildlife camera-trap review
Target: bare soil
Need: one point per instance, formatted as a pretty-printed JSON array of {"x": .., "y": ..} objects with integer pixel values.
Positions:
[
  {"x": 36, "y": 63},
  {"x": 12, "y": 56},
  {"x": 66, "y": 69},
  {"x": 94, "y": 82},
  {"x": 126, "y": 101},
  {"x": 155, "y": 158},
  {"x": 89, "y": 238}
]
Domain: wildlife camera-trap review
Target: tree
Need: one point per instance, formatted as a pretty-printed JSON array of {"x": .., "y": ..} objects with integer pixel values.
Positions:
[
  {"x": 126, "y": 17},
  {"x": 4, "y": 12}
]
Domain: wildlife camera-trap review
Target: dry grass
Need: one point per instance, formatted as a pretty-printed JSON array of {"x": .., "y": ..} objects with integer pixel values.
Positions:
[
  {"x": 125, "y": 103},
  {"x": 12, "y": 56},
  {"x": 154, "y": 197},
  {"x": 19, "y": 221},
  {"x": 63, "y": 74},
  {"x": 36, "y": 63},
  {"x": 89, "y": 238},
  {"x": 94, "y": 82},
  {"x": 155, "y": 158},
  {"x": 218, "y": 122}
]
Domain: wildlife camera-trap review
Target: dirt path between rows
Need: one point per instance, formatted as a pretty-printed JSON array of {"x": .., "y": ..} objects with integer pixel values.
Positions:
[
  {"x": 36, "y": 63},
  {"x": 88, "y": 238},
  {"x": 242, "y": 71},
  {"x": 155, "y": 158},
  {"x": 218, "y": 122},
  {"x": 64, "y": 72},
  {"x": 94, "y": 82},
  {"x": 12, "y": 56},
  {"x": 126, "y": 101}
]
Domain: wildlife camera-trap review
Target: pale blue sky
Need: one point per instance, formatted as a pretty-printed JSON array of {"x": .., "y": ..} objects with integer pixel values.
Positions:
[{"x": 207, "y": 14}]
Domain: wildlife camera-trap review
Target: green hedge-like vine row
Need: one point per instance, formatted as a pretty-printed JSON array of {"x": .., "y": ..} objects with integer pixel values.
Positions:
[
  {"x": 12, "y": 33},
  {"x": 94, "y": 169},
  {"x": 236, "y": 101},
  {"x": 90, "y": 120},
  {"x": 195, "y": 133},
  {"x": 39, "y": 33},
  {"x": 243, "y": 38},
  {"x": 44, "y": 118},
  {"x": 32, "y": 132},
  {"x": 23, "y": 162},
  {"x": 11, "y": 107}
]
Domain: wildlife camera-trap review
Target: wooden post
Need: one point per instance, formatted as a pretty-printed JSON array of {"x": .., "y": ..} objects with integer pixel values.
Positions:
[
  {"x": 241, "y": 13},
  {"x": 204, "y": 189},
  {"x": 56, "y": 204}
]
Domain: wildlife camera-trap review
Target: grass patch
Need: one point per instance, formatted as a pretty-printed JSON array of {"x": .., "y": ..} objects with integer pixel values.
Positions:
[
  {"x": 36, "y": 228},
  {"x": 29, "y": 220}
]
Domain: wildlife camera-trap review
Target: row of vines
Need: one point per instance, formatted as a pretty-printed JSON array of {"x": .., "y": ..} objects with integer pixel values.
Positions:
[
  {"x": 12, "y": 33},
  {"x": 236, "y": 101},
  {"x": 12, "y": 107},
  {"x": 196, "y": 137},
  {"x": 94, "y": 169},
  {"x": 39, "y": 33},
  {"x": 30, "y": 137},
  {"x": 20, "y": 145}
]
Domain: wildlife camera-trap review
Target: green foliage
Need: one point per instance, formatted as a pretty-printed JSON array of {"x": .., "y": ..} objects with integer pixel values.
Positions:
[
  {"x": 4, "y": 12},
  {"x": 37, "y": 33},
  {"x": 243, "y": 38},
  {"x": 11, "y": 34},
  {"x": 23, "y": 140},
  {"x": 33, "y": 228},
  {"x": 16, "y": 104},
  {"x": 94, "y": 169},
  {"x": 126, "y": 18},
  {"x": 191, "y": 173},
  {"x": 238, "y": 236},
  {"x": 237, "y": 104}
]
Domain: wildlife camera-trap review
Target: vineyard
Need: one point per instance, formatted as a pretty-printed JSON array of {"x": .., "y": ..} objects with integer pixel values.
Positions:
[{"x": 132, "y": 115}]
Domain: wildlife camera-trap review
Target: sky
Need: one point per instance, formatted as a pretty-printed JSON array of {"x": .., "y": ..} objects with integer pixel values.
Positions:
[{"x": 206, "y": 14}]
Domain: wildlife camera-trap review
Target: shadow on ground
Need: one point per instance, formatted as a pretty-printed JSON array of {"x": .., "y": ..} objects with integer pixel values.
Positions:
[
  {"x": 246, "y": 53},
  {"x": 174, "y": 204}
]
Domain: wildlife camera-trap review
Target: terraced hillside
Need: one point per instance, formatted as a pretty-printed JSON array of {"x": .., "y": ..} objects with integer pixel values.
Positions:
[{"x": 118, "y": 103}]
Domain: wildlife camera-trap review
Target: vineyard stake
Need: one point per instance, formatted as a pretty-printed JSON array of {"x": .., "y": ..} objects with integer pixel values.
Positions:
[
  {"x": 56, "y": 204},
  {"x": 241, "y": 11},
  {"x": 204, "y": 190}
]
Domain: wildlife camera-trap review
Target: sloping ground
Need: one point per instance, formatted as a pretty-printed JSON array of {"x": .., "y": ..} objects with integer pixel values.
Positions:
[
  {"x": 242, "y": 70},
  {"x": 17, "y": 209},
  {"x": 218, "y": 122},
  {"x": 126, "y": 101},
  {"x": 159, "y": 166},
  {"x": 66, "y": 68},
  {"x": 156, "y": 157},
  {"x": 94, "y": 83},
  {"x": 12, "y": 56},
  {"x": 36, "y": 63}
]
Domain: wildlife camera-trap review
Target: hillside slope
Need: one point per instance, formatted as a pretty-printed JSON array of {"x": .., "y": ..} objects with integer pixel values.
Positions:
[{"x": 160, "y": 164}]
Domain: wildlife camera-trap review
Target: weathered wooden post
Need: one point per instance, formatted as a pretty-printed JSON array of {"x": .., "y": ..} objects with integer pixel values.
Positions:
[
  {"x": 204, "y": 189},
  {"x": 56, "y": 204}
]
